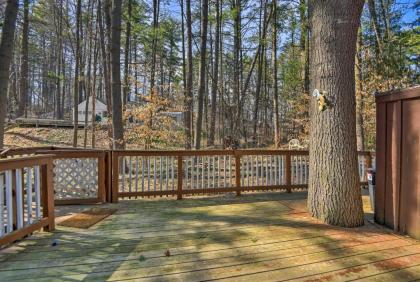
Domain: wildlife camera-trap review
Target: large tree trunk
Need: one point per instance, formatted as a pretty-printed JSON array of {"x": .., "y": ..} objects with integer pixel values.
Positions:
[
  {"x": 76, "y": 74},
  {"x": 334, "y": 192},
  {"x": 275, "y": 85},
  {"x": 127, "y": 56},
  {"x": 6, "y": 51},
  {"x": 117, "y": 123},
  {"x": 215, "y": 76},
  {"x": 188, "y": 90},
  {"x": 236, "y": 60},
  {"x": 24, "y": 61},
  {"x": 360, "y": 105},
  {"x": 202, "y": 71}
]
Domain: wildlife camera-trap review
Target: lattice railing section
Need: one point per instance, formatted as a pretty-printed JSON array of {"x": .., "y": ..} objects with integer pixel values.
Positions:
[{"x": 76, "y": 178}]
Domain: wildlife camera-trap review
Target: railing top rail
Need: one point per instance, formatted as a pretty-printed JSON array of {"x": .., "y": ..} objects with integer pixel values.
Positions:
[
  {"x": 75, "y": 153},
  {"x": 21, "y": 162}
]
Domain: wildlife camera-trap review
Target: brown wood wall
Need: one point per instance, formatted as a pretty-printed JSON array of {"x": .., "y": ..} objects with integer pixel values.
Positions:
[{"x": 397, "y": 199}]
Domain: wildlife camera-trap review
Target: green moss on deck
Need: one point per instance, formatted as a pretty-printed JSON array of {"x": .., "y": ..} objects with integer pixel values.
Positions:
[{"x": 260, "y": 237}]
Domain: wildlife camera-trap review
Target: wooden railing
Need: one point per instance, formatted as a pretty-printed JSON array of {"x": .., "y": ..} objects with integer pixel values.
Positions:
[
  {"x": 26, "y": 196},
  {"x": 81, "y": 176},
  {"x": 158, "y": 173}
]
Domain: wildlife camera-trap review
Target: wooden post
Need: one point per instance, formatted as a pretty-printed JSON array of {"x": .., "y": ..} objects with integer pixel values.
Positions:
[
  {"x": 180, "y": 178},
  {"x": 288, "y": 173},
  {"x": 115, "y": 176},
  {"x": 47, "y": 193},
  {"x": 238, "y": 173}
]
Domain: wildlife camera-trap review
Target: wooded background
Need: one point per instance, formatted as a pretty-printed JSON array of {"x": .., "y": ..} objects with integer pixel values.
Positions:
[{"x": 237, "y": 69}]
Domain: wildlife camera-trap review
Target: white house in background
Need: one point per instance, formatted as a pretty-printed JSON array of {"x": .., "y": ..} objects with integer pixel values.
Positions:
[{"x": 100, "y": 110}]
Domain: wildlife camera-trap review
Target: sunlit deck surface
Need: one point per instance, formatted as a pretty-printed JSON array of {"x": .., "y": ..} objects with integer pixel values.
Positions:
[{"x": 255, "y": 237}]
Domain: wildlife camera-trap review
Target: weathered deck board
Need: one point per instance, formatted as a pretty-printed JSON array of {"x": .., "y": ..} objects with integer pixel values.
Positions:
[{"x": 260, "y": 237}]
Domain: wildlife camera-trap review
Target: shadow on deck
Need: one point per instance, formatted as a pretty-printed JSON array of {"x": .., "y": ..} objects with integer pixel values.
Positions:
[{"x": 255, "y": 237}]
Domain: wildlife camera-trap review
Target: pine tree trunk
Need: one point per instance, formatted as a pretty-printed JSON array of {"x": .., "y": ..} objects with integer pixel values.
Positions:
[
  {"x": 188, "y": 90},
  {"x": 117, "y": 123},
  {"x": 127, "y": 56},
  {"x": 215, "y": 76},
  {"x": 275, "y": 85},
  {"x": 6, "y": 52},
  {"x": 202, "y": 72},
  {"x": 23, "y": 97},
  {"x": 76, "y": 74},
  {"x": 334, "y": 192}
]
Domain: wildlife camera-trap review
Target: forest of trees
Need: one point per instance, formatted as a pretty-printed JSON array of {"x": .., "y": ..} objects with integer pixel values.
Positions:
[{"x": 236, "y": 69}]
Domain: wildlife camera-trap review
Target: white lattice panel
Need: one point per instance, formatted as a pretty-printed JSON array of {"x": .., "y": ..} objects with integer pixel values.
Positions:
[{"x": 75, "y": 178}]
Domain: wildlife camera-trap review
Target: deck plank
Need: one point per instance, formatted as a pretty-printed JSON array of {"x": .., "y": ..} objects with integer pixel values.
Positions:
[{"x": 261, "y": 237}]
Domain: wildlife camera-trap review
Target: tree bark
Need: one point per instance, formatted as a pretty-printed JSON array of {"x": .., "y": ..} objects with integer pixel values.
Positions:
[
  {"x": 215, "y": 76},
  {"x": 190, "y": 70},
  {"x": 6, "y": 52},
  {"x": 156, "y": 4},
  {"x": 275, "y": 85},
  {"x": 117, "y": 123},
  {"x": 360, "y": 105},
  {"x": 23, "y": 97},
  {"x": 127, "y": 56},
  {"x": 334, "y": 192},
  {"x": 202, "y": 72},
  {"x": 76, "y": 74}
]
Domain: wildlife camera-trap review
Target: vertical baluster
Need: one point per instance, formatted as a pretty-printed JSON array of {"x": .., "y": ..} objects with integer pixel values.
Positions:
[
  {"x": 276, "y": 159},
  {"x": 129, "y": 174},
  {"x": 257, "y": 170},
  {"x": 208, "y": 172},
  {"x": 173, "y": 172},
  {"x": 142, "y": 173},
  {"x": 202, "y": 171},
  {"x": 137, "y": 173},
  {"x": 160, "y": 173},
  {"x": 266, "y": 170},
  {"x": 9, "y": 202},
  {"x": 224, "y": 171},
  {"x": 213, "y": 171},
  {"x": 188, "y": 184},
  {"x": 167, "y": 173},
  {"x": 252, "y": 170},
  {"x": 148, "y": 173},
  {"x": 28, "y": 196},
  {"x": 1, "y": 204},
  {"x": 270, "y": 170},
  {"x": 218, "y": 171},
  {"x": 37, "y": 184},
  {"x": 230, "y": 172},
  {"x": 123, "y": 174},
  {"x": 19, "y": 198},
  {"x": 154, "y": 173}
]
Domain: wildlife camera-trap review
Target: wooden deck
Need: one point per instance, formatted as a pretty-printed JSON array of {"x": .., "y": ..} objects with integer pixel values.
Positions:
[{"x": 255, "y": 237}]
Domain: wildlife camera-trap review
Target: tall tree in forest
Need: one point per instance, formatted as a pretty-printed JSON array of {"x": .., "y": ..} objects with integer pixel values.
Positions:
[
  {"x": 156, "y": 8},
  {"x": 334, "y": 193},
  {"x": 189, "y": 85},
  {"x": 202, "y": 72},
  {"x": 76, "y": 73},
  {"x": 215, "y": 80},
  {"x": 275, "y": 85},
  {"x": 127, "y": 54},
  {"x": 117, "y": 123},
  {"x": 6, "y": 52},
  {"x": 237, "y": 30},
  {"x": 23, "y": 97}
]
